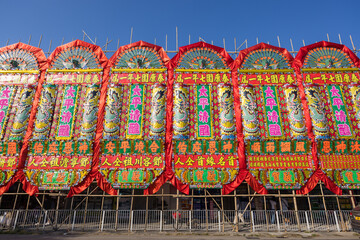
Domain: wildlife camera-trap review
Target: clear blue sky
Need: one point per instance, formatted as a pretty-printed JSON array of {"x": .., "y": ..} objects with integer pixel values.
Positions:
[{"x": 210, "y": 20}]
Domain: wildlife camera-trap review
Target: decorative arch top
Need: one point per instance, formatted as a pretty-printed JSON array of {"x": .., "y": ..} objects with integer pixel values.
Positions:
[
  {"x": 326, "y": 55},
  {"x": 21, "y": 56},
  {"x": 201, "y": 55},
  {"x": 77, "y": 55},
  {"x": 139, "y": 55},
  {"x": 264, "y": 57}
]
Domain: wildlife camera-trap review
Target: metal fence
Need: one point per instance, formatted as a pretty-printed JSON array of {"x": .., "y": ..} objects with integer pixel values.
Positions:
[{"x": 172, "y": 220}]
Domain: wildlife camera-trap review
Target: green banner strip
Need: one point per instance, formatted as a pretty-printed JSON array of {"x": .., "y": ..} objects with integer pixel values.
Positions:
[
  {"x": 131, "y": 176},
  {"x": 55, "y": 177},
  {"x": 6, "y": 93},
  {"x": 281, "y": 176},
  {"x": 206, "y": 176},
  {"x": 351, "y": 176}
]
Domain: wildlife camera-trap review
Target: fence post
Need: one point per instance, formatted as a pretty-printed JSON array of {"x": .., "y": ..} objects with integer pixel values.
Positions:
[
  {"x": 190, "y": 220},
  {"x": 252, "y": 219},
  {"x": 336, "y": 221},
  {"x": 102, "y": 221},
  {"x": 45, "y": 220},
  {"x": 307, "y": 221},
  {"x": 73, "y": 223},
  {"x": 16, "y": 218},
  {"x": 161, "y": 221},
  {"x": 132, "y": 218},
  {"x": 176, "y": 218},
  {"x": 277, "y": 220},
  {"x": 219, "y": 221}
]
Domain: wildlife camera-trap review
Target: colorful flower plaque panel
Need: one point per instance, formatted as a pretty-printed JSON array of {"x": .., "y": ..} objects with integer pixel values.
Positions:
[
  {"x": 133, "y": 142},
  {"x": 61, "y": 145},
  {"x": 204, "y": 131},
  {"x": 275, "y": 134},
  {"x": 332, "y": 90},
  {"x": 20, "y": 67}
]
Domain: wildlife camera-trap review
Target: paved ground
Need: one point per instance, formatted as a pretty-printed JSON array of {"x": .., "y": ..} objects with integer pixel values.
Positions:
[{"x": 175, "y": 236}]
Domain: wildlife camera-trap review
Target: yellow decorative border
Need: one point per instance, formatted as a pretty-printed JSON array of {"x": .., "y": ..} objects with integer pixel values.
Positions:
[
  {"x": 329, "y": 70},
  {"x": 139, "y": 70},
  {"x": 19, "y": 71},
  {"x": 74, "y": 70},
  {"x": 265, "y": 70}
]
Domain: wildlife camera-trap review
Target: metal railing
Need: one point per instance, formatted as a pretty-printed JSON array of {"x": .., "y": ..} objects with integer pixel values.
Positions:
[{"x": 172, "y": 220}]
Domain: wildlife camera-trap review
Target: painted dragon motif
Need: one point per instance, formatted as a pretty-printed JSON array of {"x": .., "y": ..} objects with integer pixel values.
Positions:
[
  {"x": 112, "y": 112},
  {"x": 22, "y": 113},
  {"x": 317, "y": 112},
  {"x": 45, "y": 112},
  {"x": 89, "y": 118},
  {"x": 157, "y": 118},
  {"x": 227, "y": 123},
  {"x": 249, "y": 112},
  {"x": 181, "y": 115},
  {"x": 295, "y": 112}
]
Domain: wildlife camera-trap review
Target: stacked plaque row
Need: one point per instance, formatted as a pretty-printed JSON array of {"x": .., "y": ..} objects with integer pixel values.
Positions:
[{"x": 198, "y": 120}]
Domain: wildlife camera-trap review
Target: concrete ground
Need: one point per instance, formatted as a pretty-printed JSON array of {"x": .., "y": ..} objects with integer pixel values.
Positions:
[{"x": 176, "y": 236}]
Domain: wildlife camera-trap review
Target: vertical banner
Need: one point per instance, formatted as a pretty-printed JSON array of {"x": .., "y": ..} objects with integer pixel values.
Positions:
[
  {"x": 67, "y": 113},
  {"x": 6, "y": 93},
  {"x": 272, "y": 111},
  {"x": 135, "y": 114},
  {"x": 339, "y": 111}
]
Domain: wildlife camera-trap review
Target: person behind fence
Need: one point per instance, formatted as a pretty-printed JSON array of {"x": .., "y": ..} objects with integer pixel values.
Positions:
[
  {"x": 273, "y": 210},
  {"x": 285, "y": 208},
  {"x": 239, "y": 215},
  {"x": 5, "y": 219}
]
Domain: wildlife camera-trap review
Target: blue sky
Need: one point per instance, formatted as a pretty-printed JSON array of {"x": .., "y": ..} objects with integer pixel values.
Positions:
[{"x": 213, "y": 21}]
